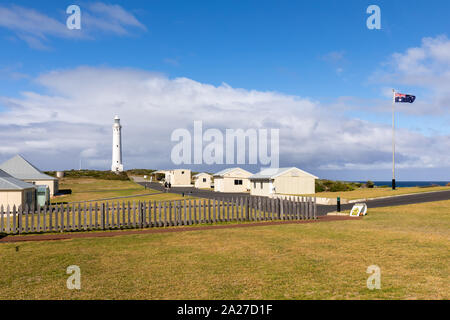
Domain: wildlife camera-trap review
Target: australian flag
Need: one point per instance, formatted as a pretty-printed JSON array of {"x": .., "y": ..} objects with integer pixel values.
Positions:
[{"x": 400, "y": 97}]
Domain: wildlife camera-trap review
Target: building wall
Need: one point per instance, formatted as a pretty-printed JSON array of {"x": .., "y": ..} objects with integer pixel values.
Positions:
[
  {"x": 260, "y": 188},
  {"x": 294, "y": 185},
  {"x": 218, "y": 184},
  {"x": 17, "y": 198},
  {"x": 53, "y": 185},
  {"x": 199, "y": 183},
  {"x": 227, "y": 184},
  {"x": 179, "y": 177}
]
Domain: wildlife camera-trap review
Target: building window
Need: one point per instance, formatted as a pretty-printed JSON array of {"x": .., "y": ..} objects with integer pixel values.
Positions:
[
  {"x": 237, "y": 182},
  {"x": 182, "y": 172},
  {"x": 204, "y": 179},
  {"x": 261, "y": 185},
  {"x": 254, "y": 185}
]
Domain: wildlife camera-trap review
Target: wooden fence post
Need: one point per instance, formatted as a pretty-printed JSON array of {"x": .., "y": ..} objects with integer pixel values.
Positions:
[
  {"x": 90, "y": 226},
  {"x": 309, "y": 208},
  {"x": 160, "y": 214},
  {"x": 155, "y": 214},
  {"x": 165, "y": 214},
  {"x": 67, "y": 218},
  {"x": 16, "y": 223},
  {"x": 242, "y": 209},
  {"x": 102, "y": 216},
  {"x": 280, "y": 209},
  {"x": 190, "y": 212},
  {"x": 315, "y": 208},
  {"x": 8, "y": 222},
  {"x": 44, "y": 218},
  {"x": 169, "y": 214},
  {"x": 247, "y": 209}
]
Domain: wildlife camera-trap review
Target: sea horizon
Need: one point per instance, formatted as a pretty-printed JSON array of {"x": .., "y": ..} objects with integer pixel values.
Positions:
[{"x": 408, "y": 183}]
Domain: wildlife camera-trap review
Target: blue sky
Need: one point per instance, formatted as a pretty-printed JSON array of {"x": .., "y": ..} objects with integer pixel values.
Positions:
[{"x": 321, "y": 51}]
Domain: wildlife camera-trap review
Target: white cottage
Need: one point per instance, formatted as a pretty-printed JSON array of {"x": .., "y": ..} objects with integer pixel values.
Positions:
[
  {"x": 232, "y": 180},
  {"x": 202, "y": 180},
  {"x": 273, "y": 181}
]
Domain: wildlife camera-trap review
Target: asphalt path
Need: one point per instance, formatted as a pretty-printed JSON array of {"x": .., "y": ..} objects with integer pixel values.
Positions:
[{"x": 321, "y": 209}]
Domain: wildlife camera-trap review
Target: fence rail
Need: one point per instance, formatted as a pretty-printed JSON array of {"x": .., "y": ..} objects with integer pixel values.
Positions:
[{"x": 105, "y": 216}]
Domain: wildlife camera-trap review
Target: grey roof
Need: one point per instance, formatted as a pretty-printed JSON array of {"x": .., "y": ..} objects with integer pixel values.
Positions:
[
  {"x": 199, "y": 174},
  {"x": 7, "y": 182},
  {"x": 272, "y": 173},
  {"x": 225, "y": 171},
  {"x": 21, "y": 169}
]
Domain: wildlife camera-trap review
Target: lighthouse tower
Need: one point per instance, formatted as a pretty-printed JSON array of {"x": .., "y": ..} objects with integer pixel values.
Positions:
[{"x": 117, "y": 165}]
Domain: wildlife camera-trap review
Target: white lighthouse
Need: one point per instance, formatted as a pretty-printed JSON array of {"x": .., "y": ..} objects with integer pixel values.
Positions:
[{"x": 117, "y": 165}]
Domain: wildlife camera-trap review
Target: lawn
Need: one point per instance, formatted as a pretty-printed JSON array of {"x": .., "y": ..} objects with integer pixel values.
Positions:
[
  {"x": 410, "y": 244},
  {"x": 376, "y": 192},
  {"x": 84, "y": 189}
]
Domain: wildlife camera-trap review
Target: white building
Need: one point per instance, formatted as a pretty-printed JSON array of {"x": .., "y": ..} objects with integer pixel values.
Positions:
[
  {"x": 232, "y": 180},
  {"x": 21, "y": 169},
  {"x": 178, "y": 177},
  {"x": 117, "y": 165},
  {"x": 202, "y": 180},
  {"x": 15, "y": 192},
  {"x": 291, "y": 181}
]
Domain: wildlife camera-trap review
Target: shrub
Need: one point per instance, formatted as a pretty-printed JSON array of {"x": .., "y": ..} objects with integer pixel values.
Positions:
[
  {"x": 105, "y": 175},
  {"x": 370, "y": 184},
  {"x": 335, "y": 186},
  {"x": 319, "y": 186},
  {"x": 140, "y": 172}
]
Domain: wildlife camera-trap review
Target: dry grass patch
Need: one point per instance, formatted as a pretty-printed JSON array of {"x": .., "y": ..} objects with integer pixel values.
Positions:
[
  {"x": 95, "y": 189},
  {"x": 304, "y": 261}
]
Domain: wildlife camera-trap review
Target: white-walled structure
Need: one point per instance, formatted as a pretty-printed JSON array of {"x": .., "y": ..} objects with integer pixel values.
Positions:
[
  {"x": 178, "y": 177},
  {"x": 21, "y": 169},
  {"x": 117, "y": 165},
  {"x": 232, "y": 180},
  {"x": 274, "y": 181},
  {"x": 15, "y": 192},
  {"x": 202, "y": 180}
]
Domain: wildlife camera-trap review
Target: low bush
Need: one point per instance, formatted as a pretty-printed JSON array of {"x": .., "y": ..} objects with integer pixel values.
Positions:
[
  {"x": 335, "y": 186},
  {"x": 105, "y": 175},
  {"x": 140, "y": 172},
  {"x": 370, "y": 184}
]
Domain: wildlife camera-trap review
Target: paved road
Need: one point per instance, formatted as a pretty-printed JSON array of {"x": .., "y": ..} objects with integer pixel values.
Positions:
[{"x": 321, "y": 209}]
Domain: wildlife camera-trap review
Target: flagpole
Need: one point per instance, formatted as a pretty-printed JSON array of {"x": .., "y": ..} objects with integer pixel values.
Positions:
[{"x": 393, "y": 139}]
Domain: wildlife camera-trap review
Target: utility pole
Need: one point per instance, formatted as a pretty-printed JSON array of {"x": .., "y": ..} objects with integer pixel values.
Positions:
[{"x": 393, "y": 139}]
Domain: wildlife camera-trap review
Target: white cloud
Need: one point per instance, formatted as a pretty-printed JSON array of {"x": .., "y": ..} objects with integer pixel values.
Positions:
[
  {"x": 74, "y": 116},
  {"x": 113, "y": 18},
  {"x": 425, "y": 69},
  {"x": 36, "y": 28}
]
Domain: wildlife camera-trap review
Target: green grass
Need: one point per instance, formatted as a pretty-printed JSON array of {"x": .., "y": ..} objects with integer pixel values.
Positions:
[
  {"x": 84, "y": 189},
  {"x": 304, "y": 261}
]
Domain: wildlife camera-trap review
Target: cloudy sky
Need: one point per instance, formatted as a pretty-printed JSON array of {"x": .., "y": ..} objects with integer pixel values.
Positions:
[{"x": 311, "y": 69}]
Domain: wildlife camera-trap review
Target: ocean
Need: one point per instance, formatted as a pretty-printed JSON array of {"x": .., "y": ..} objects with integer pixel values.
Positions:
[{"x": 409, "y": 183}]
